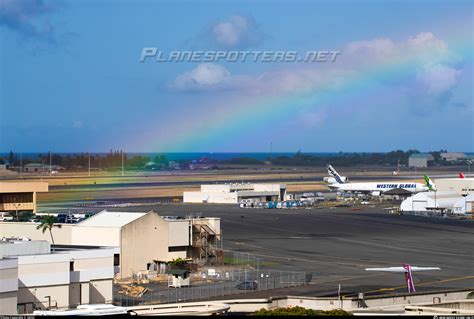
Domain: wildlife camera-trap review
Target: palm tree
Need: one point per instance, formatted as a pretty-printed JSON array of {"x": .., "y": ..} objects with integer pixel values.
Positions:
[{"x": 47, "y": 224}]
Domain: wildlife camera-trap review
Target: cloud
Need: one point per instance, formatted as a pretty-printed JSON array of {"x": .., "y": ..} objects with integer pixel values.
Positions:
[
  {"x": 312, "y": 119},
  {"x": 428, "y": 80},
  {"x": 375, "y": 47},
  {"x": 77, "y": 124},
  {"x": 31, "y": 20},
  {"x": 208, "y": 77},
  {"x": 437, "y": 79},
  {"x": 236, "y": 32}
]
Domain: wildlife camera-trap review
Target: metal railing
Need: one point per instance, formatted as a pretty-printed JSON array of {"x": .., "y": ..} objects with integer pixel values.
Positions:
[{"x": 235, "y": 283}]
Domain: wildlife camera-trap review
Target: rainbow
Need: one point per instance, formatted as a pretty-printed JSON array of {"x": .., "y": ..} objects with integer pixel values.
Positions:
[{"x": 244, "y": 117}]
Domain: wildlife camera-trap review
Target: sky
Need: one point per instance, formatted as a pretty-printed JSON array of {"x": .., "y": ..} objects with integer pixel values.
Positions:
[{"x": 71, "y": 79}]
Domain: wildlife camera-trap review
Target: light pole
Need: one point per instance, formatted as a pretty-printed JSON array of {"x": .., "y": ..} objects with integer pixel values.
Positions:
[
  {"x": 122, "y": 161},
  {"x": 16, "y": 205}
]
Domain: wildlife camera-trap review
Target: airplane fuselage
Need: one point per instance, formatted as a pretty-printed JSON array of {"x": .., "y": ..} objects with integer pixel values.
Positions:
[{"x": 381, "y": 187}]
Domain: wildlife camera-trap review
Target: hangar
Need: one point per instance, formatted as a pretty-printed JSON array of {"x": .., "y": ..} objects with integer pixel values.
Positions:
[
  {"x": 453, "y": 195},
  {"x": 460, "y": 186},
  {"x": 20, "y": 196},
  {"x": 235, "y": 193},
  {"x": 446, "y": 202}
]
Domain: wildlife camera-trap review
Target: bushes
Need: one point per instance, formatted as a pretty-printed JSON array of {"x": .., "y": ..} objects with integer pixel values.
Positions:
[{"x": 299, "y": 311}]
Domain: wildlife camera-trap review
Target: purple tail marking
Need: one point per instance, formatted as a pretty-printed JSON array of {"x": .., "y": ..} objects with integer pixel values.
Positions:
[{"x": 409, "y": 278}]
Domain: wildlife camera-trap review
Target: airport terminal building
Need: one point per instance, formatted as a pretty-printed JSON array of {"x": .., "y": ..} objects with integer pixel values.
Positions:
[
  {"x": 235, "y": 193},
  {"x": 20, "y": 196}
]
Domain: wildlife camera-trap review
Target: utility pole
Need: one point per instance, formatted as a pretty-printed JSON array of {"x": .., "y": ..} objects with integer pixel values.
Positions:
[
  {"x": 89, "y": 164},
  {"x": 50, "y": 163},
  {"x": 271, "y": 151},
  {"x": 21, "y": 164},
  {"x": 122, "y": 161}
]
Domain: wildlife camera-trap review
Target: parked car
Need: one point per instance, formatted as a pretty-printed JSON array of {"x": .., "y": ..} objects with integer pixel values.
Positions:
[
  {"x": 66, "y": 219},
  {"x": 247, "y": 285},
  {"x": 5, "y": 216},
  {"x": 61, "y": 218}
]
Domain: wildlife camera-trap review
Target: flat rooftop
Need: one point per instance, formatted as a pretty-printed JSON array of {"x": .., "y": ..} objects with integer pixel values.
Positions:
[{"x": 110, "y": 219}]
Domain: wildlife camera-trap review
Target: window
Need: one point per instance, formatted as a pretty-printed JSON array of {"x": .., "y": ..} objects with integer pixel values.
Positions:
[
  {"x": 177, "y": 248},
  {"x": 116, "y": 259}
]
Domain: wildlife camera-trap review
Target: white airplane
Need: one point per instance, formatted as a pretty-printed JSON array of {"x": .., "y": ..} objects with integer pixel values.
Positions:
[
  {"x": 407, "y": 269},
  {"x": 334, "y": 177},
  {"x": 378, "y": 188}
]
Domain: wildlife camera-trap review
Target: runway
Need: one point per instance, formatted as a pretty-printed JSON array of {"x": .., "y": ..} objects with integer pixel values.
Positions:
[
  {"x": 336, "y": 245},
  {"x": 229, "y": 181}
]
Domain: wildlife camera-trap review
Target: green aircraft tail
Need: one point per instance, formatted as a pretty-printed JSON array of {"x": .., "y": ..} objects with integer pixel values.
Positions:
[{"x": 431, "y": 186}]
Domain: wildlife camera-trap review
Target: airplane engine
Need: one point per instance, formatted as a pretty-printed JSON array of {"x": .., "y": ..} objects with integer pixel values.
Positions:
[
  {"x": 332, "y": 180},
  {"x": 376, "y": 193}
]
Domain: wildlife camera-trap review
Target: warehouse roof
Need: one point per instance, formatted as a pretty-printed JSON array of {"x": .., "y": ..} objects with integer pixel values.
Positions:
[
  {"x": 422, "y": 155},
  {"x": 111, "y": 219}
]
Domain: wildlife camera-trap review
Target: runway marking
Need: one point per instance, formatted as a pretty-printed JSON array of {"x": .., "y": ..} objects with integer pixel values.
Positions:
[
  {"x": 403, "y": 223},
  {"x": 323, "y": 260},
  {"x": 394, "y": 247},
  {"x": 296, "y": 237},
  {"x": 421, "y": 250},
  {"x": 345, "y": 279}
]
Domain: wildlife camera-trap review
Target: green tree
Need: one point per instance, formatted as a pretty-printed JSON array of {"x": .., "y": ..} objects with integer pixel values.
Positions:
[
  {"x": 47, "y": 223},
  {"x": 178, "y": 262}
]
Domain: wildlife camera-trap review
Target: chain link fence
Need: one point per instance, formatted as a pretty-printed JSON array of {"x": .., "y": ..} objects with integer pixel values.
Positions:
[{"x": 231, "y": 282}]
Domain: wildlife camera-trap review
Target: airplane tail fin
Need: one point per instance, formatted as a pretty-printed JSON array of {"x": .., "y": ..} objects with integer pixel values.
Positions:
[
  {"x": 332, "y": 172},
  {"x": 431, "y": 186},
  {"x": 461, "y": 175},
  {"x": 409, "y": 278}
]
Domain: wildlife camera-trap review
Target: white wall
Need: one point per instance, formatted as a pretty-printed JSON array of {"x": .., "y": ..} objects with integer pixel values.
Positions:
[
  {"x": 62, "y": 235},
  {"x": 429, "y": 200},
  {"x": 8, "y": 302},
  {"x": 223, "y": 198},
  {"x": 8, "y": 285},
  {"x": 178, "y": 233},
  {"x": 67, "y": 234},
  {"x": 95, "y": 236},
  {"x": 222, "y": 188},
  {"x": 210, "y": 197},
  {"x": 195, "y": 197},
  {"x": 417, "y": 162},
  {"x": 461, "y": 186}
]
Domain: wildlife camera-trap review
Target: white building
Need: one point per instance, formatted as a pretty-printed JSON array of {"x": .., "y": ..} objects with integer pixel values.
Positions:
[
  {"x": 235, "y": 193},
  {"x": 447, "y": 202},
  {"x": 460, "y": 186},
  {"x": 143, "y": 241},
  {"x": 452, "y": 157},
  {"x": 8, "y": 286},
  {"x": 419, "y": 160},
  {"x": 33, "y": 276},
  {"x": 453, "y": 195}
]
